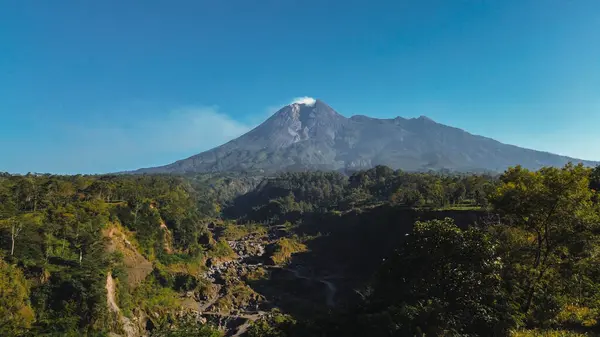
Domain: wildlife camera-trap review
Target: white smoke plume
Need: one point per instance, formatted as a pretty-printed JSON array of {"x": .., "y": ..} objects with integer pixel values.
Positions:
[{"x": 304, "y": 100}]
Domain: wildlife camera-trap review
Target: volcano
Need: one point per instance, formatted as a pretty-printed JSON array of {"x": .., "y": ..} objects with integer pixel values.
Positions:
[{"x": 310, "y": 135}]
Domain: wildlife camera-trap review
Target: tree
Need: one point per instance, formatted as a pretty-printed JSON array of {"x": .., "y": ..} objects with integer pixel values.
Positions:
[
  {"x": 8, "y": 207},
  {"x": 396, "y": 197},
  {"x": 553, "y": 210},
  {"x": 458, "y": 193},
  {"x": 435, "y": 193},
  {"x": 15, "y": 229},
  {"x": 15, "y": 313},
  {"x": 595, "y": 179},
  {"x": 25, "y": 191},
  {"x": 17, "y": 224},
  {"x": 356, "y": 197},
  {"x": 480, "y": 198},
  {"x": 412, "y": 197},
  {"x": 442, "y": 281}
]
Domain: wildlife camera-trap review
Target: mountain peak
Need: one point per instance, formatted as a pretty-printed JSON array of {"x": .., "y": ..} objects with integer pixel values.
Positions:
[
  {"x": 307, "y": 108},
  {"x": 309, "y": 101},
  {"x": 425, "y": 119},
  {"x": 309, "y": 134}
]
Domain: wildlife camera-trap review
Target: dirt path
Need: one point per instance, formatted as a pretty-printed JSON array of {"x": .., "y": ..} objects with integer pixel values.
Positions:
[
  {"x": 110, "y": 294},
  {"x": 202, "y": 308},
  {"x": 331, "y": 288},
  {"x": 249, "y": 316},
  {"x": 210, "y": 303},
  {"x": 243, "y": 328},
  {"x": 129, "y": 328}
]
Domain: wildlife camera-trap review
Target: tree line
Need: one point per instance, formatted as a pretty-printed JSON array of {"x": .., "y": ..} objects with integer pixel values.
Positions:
[
  {"x": 54, "y": 259},
  {"x": 327, "y": 191},
  {"x": 532, "y": 270},
  {"x": 535, "y": 266}
]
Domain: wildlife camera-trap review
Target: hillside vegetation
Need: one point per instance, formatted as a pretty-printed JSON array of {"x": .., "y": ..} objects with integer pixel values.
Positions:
[{"x": 378, "y": 253}]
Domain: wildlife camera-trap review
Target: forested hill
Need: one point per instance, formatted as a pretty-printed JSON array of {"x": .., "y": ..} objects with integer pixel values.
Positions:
[
  {"x": 378, "y": 253},
  {"x": 313, "y": 136}
]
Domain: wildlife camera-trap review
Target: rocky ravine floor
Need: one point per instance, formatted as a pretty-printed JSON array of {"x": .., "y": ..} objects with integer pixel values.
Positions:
[
  {"x": 228, "y": 279},
  {"x": 250, "y": 257}
]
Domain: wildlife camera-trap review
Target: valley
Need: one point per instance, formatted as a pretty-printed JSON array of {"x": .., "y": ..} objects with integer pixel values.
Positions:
[
  {"x": 301, "y": 253},
  {"x": 290, "y": 168}
]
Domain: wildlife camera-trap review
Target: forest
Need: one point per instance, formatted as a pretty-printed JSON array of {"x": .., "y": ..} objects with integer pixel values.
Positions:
[{"x": 395, "y": 253}]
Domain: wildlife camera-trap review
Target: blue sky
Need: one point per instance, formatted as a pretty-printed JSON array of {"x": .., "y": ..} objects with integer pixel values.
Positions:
[{"x": 101, "y": 86}]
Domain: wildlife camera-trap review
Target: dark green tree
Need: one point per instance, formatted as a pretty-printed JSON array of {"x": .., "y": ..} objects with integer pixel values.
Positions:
[
  {"x": 443, "y": 281},
  {"x": 595, "y": 179},
  {"x": 552, "y": 222}
]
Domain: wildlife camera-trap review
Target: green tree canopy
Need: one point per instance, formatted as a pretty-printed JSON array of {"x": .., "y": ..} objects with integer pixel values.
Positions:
[
  {"x": 595, "y": 179},
  {"x": 15, "y": 312},
  {"x": 558, "y": 222},
  {"x": 438, "y": 278}
]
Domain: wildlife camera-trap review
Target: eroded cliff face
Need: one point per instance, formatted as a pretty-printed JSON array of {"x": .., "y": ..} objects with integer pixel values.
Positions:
[
  {"x": 137, "y": 268},
  {"x": 136, "y": 265},
  {"x": 123, "y": 326}
]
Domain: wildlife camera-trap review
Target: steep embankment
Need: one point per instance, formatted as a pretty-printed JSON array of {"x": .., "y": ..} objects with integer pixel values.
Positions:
[
  {"x": 111, "y": 298},
  {"x": 136, "y": 267},
  {"x": 127, "y": 327}
]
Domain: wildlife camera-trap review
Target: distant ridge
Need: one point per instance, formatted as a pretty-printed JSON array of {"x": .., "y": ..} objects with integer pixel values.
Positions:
[{"x": 310, "y": 135}]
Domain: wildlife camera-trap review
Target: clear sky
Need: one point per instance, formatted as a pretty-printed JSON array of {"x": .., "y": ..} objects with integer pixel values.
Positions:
[{"x": 101, "y": 86}]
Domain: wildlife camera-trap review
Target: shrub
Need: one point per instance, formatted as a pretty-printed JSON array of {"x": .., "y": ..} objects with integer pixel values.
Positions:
[{"x": 283, "y": 249}]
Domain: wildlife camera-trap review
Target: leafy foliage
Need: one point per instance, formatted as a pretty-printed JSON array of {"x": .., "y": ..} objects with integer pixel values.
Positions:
[
  {"x": 438, "y": 278},
  {"x": 185, "y": 326},
  {"x": 533, "y": 264},
  {"x": 282, "y": 250},
  {"x": 16, "y": 314},
  {"x": 276, "y": 325},
  {"x": 53, "y": 234},
  {"x": 553, "y": 213},
  {"x": 532, "y": 268}
]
